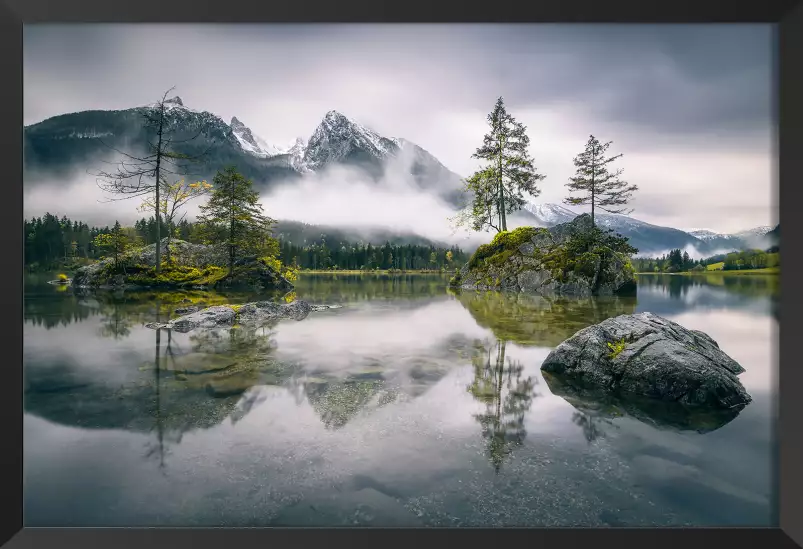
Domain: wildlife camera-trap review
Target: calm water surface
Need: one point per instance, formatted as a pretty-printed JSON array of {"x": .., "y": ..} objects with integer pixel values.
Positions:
[{"x": 408, "y": 406}]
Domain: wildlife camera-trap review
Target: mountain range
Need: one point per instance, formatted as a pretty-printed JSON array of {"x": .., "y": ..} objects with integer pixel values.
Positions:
[
  {"x": 653, "y": 239},
  {"x": 57, "y": 146}
]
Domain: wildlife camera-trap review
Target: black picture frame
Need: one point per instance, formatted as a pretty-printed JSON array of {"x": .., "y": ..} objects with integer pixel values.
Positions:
[{"x": 788, "y": 14}]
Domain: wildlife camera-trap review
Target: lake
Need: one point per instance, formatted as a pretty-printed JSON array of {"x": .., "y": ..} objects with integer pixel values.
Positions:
[{"x": 407, "y": 406}]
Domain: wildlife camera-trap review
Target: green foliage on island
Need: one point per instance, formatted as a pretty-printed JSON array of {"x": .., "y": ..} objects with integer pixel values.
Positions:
[{"x": 582, "y": 253}]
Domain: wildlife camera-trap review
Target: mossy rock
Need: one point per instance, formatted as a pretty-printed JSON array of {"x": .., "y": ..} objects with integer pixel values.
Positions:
[{"x": 569, "y": 259}]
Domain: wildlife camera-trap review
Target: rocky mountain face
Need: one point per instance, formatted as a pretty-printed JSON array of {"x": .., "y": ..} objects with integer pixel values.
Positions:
[
  {"x": 83, "y": 141},
  {"x": 79, "y": 143}
]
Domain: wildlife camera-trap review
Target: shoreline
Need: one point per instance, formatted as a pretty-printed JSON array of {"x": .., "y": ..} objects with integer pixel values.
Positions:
[
  {"x": 744, "y": 272},
  {"x": 377, "y": 272}
]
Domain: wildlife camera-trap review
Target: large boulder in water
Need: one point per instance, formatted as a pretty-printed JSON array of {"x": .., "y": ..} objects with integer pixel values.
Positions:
[
  {"x": 644, "y": 355},
  {"x": 572, "y": 258}
]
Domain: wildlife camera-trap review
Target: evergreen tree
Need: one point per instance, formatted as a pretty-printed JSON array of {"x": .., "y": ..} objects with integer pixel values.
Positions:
[
  {"x": 233, "y": 216},
  {"x": 598, "y": 186},
  {"x": 115, "y": 243},
  {"x": 498, "y": 188}
]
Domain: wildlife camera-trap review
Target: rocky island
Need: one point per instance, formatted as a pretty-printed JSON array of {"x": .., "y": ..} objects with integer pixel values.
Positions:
[
  {"x": 574, "y": 258},
  {"x": 194, "y": 266}
]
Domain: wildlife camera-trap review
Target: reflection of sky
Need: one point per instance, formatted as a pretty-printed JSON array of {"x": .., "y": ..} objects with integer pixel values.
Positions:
[
  {"x": 659, "y": 300},
  {"x": 419, "y": 461}
]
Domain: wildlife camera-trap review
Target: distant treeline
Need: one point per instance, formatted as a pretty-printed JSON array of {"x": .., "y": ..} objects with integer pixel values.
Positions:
[
  {"x": 52, "y": 242},
  {"x": 678, "y": 262},
  {"x": 360, "y": 256}
]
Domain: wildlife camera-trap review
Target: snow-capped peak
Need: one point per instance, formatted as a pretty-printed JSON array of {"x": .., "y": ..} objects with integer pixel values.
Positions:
[
  {"x": 705, "y": 234},
  {"x": 173, "y": 103},
  {"x": 756, "y": 231},
  {"x": 253, "y": 144},
  {"x": 550, "y": 214},
  {"x": 338, "y": 135}
]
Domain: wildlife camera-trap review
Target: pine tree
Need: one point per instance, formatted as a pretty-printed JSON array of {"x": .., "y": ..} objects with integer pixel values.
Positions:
[
  {"x": 498, "y": 188},
  {"x": 115, "y": 243},
  {"x": 234, "y": 217},
  {"x": 601, "y": 188}
]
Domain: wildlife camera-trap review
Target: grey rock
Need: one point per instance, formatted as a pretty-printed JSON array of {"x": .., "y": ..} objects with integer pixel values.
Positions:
[
  {"x": 227, "y": 315},
  {"x": 660, "y": 360}
]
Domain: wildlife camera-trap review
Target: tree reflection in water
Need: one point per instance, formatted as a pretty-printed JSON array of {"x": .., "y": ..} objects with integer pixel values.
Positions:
[
  {"x": 499, "y": 384},
  {"x": 590, "y": 425}
]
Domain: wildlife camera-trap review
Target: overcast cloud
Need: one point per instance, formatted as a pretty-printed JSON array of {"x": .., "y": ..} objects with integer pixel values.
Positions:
[{"x": 690, "y": 107}]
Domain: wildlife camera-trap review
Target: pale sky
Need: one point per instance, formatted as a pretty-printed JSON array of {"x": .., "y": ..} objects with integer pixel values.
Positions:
[{"x": 689, "y": 106}]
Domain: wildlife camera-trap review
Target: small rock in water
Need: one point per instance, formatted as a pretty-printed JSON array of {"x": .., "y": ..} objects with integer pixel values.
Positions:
[
  {"x": 227, "y": 315},
  {"x": 647, "y": 355}
]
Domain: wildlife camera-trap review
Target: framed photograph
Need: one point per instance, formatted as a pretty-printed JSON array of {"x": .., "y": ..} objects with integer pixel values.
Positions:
[{"x": 400, "y": 271}]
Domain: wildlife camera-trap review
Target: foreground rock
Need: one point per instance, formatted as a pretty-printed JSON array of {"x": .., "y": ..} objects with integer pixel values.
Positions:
[
  {"x": 192, "y": 266},
  {"x": 644, "y": 355},
  {"x": 228, "y": 315},
  {"x": 549, "y": 261}
]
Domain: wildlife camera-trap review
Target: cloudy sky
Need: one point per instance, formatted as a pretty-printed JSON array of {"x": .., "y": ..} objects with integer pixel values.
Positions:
[{"x": 690, "y": 107}]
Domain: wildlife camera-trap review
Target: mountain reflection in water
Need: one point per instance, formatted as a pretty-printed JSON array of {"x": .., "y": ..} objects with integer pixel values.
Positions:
[{"x": 410, "y": 405}]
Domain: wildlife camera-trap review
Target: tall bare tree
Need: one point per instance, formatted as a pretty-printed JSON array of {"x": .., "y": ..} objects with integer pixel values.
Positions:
[
  {"x": 147, "y": 174},
  {"x": 600, "y": 187}
]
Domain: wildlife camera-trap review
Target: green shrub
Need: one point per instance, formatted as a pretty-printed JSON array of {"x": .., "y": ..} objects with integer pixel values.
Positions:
[{"x": 616, "y": 347}]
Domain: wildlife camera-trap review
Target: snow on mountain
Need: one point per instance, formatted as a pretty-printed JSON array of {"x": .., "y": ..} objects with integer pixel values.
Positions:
[
  {"x": 339, "y": 138},
  {"x": 705, "y": 234},
  {"x": 173, "y": 103},
  {"x": 549, "y": 214},
  {"x": 296, "y": 155},
  {"x": 255, "y": 145},
  {"x": 754, "y": 232}
]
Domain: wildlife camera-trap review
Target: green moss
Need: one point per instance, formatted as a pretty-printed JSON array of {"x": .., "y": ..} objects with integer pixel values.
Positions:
[
  {"x": 503, "y": 246},
  {"x": 616, "y": 347},
  {"x": 176, "y": 275}
]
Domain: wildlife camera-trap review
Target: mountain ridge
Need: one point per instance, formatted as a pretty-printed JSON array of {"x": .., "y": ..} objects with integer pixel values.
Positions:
[{"x": 61, "y": 142}]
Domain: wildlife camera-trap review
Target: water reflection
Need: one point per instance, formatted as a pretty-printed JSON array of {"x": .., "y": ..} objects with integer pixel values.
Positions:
[
  {"x": 595, "y": 408},
  {"x": 116, "y": 324},
  {"x": 349, "y": 288},
  {"x": 396, "y": 406},
  {"x": 533, "y": 320},
  {"x": 499, "y": 385},
  {"x": 189, "y": 383}
]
